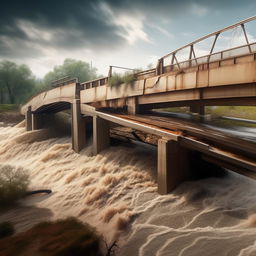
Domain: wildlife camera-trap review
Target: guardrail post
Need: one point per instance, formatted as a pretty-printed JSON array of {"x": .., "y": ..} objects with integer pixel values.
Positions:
[
  {"x": 101, "y": 137},
  {"x": 78, "y": 127},
  {"x": 28, "y": 116},
  {"x": 172, "y": 165}
]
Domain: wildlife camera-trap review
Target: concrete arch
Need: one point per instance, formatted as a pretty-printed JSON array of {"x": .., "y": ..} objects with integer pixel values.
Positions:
[{"x": 52, "y": 99}]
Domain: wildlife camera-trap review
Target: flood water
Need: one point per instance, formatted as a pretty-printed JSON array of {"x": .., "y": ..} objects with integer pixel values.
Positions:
[{"x": 116, "y": 192}]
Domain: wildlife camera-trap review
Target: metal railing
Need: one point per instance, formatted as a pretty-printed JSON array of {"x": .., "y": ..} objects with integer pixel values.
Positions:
[
  {"x": 193, "y": 60},
  {"x": 63, "y": 81}
]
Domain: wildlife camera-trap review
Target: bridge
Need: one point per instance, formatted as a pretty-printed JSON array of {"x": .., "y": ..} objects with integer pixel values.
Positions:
[{"x": 181, "y": 78}]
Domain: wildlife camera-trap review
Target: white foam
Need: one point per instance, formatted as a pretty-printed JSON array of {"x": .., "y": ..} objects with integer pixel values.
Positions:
[{"x": 115, "y": 192}]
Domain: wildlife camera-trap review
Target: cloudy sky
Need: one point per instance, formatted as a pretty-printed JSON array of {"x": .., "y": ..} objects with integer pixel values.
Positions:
[{"x": 109, "y": 32}]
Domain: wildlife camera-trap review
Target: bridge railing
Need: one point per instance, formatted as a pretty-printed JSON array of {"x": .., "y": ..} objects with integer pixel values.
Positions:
[
  {"x": 217, "y": 56},
  {"x": 188, "y": 52},
  {"x": 94, "y": 83},
  {"x": 191, "y": 60},
  {"x": 105, "y": 80}
]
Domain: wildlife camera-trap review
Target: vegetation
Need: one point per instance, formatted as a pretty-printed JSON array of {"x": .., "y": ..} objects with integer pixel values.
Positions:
[
  {"x": 8, "y": 108},
  {"x": 13, "y": 184},
  {"x": 246, "y": 112},
  {"x": 73, "y": 68},
  {"x": 17, "y": 82},
  {"x": 64, "y": 237},
  {"x": 117, "y": 79},
  {"x": 6, "y": 229}
]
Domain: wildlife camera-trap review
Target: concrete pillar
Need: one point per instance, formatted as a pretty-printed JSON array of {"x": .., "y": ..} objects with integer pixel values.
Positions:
[
  {"x": 101, "y": 137},
  {"x": 132, "y": 106},
  {"x": 36, "y": 121},
  {"x": 197, "y": 109},
  {"x": 172, "y": 169},
  {"x": 78, "y": 127},
  {"x": 28, "y": 117}
]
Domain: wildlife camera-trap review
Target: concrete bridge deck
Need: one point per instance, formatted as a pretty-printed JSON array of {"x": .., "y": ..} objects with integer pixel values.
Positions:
[{"x": 218, "y": 78}]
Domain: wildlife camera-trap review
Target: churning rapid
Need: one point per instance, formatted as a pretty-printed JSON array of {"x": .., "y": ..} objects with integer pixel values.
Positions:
[{"x": 116, "y": 192}]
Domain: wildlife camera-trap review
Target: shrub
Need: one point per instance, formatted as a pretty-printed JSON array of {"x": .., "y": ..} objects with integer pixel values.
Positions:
[
  {"x": 62, "y": 237},
  {"x": 115, "y": 80},
  {"x": 6, "y": 229},
  {"x": 13, "y": 184},
  {"x": 127, "y": 78}
]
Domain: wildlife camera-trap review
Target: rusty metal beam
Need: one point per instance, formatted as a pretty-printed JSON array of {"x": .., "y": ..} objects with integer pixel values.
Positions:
[
  {"x": 246, "y": 38},
  {"x": 212, "y": 34}
]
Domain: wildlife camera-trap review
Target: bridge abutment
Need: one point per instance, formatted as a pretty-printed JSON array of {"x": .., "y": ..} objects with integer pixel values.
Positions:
[
  {"x": 101, "y": 136},
  {"x": 78, "y": 127},
  {"x": 172, "y": 165}
]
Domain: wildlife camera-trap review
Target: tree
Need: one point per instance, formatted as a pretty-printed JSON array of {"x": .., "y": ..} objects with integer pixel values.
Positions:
[
  {"x": 73, "y": 68},
  {"x": 16, "y": 82}
]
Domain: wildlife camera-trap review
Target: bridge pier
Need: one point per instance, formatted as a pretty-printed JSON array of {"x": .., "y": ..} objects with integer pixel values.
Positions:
[
  {"x": 28, "y": 118},
  {"x": 101, "y": 136},
  {"x": 132, "y": 106},
  {"x": 172, "y": 165},
  {"x": 198, "y": 109},
  {"x": 78, "y": 127},
  {"x": 36, "y": 121}
]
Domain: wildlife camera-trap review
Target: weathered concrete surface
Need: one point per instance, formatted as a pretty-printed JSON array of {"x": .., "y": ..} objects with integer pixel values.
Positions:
[
  {"x": 132, "y": 106},
  {"x": 172, "y": 165},
  {"x": 36, "y": 121},
  {"x": 78, "y": 127},
  {"x": 28, "y": 118},
  {"x": 101, "y": 134},
  {"x": 65, "y": 93},
  {"x": 232, "y": 78}
]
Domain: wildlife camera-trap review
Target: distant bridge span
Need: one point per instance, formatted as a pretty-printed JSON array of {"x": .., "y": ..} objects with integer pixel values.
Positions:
[{"x": 217, "y": 78}]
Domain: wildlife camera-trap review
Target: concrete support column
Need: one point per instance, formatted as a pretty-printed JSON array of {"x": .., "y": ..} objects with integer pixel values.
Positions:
[
  {"x": 28, "y": 117},
  {"x": 132, "y": 106},
  {"x": 78, "y": 127},
  {"x": 36, "y": 121},
  {"x": 200, "y": 112},
  {"x": 101, "y": 137},
  {"x": 172, "y": 169},
  {"x": 197, "y": 109}
]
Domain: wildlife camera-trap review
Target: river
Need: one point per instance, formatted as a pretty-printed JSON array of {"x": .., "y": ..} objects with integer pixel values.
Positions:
[{"x": 116, "y": 192}]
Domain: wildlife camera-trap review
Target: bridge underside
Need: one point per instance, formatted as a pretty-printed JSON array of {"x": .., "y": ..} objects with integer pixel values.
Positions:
[{"x": 53, "y": 107}]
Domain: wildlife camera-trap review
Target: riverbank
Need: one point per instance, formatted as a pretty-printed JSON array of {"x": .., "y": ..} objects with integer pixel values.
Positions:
[
  {"x": 9, "y": 115},
  {"x": 214, "y": 115}
]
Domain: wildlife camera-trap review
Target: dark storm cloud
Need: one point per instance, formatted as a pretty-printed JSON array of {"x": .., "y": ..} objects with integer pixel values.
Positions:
[{"x": 75, "y": 24}]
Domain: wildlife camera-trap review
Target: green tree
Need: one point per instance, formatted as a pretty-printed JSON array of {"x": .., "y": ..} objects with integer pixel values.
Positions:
[
  {"x": 17, "y": 82},
  {"x": 73, "y": 68}
]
